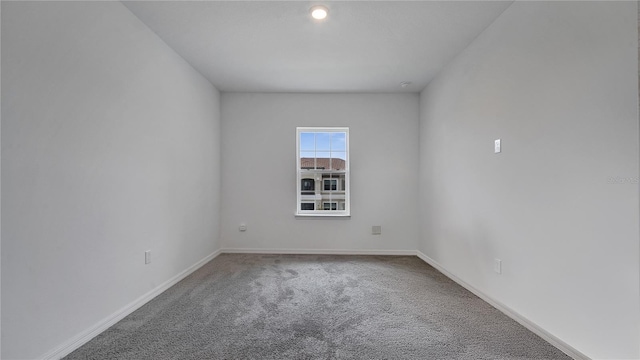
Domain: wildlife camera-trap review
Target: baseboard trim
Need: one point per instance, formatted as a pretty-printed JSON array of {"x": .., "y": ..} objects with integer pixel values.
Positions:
[
  {"x": 318, "y": 251},
  {"x": 550, "y": 338},
  {"x": 84, "y": 337}
]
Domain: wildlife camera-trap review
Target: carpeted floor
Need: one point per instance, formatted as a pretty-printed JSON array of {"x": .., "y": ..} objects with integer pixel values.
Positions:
[{"x": 316, "y": 307}]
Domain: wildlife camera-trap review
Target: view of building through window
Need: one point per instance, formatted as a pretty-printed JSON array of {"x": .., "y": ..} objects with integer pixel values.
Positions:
[{"x": 323, "y": 170}]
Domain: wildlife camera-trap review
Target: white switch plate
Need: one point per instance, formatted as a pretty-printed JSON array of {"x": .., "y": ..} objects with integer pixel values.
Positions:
[
  {"x": 376, "y": 230},
  {"x": 147, "y": 257},
  {"x": 242, "y": 227},
  {"x": 497, "y": 266},
  {"x": 497, "y": 147}
]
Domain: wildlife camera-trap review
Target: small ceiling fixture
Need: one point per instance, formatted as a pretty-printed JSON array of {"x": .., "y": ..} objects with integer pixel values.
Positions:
[
  {"x": 404, "y": 84},
  {"x": 319, "y": 12}
]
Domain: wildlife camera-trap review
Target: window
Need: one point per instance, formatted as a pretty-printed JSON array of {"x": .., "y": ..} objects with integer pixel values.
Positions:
[
  {"x": 322, "y": 166},
  {"x": 330, "y": 206},
  {"x": 307, "y": 206},
  {"x": 331, "y": 184},
  {"x": 308, "y": 187}
]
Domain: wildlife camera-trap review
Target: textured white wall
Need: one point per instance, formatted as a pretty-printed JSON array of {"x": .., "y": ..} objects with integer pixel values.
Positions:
[
  {"x": 557, "y": 83},
  {"x": 259, "y": 179},
  {"x": 110, "y": 147}
]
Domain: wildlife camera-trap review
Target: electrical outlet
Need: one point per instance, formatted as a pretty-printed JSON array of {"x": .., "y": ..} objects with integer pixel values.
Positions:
[
  {"x": 497, "y": 266},
  {"x": 242, "y": 227},
  {"x": 376, "y": 230},
  {"x": 147, "y": 257},
  {"x": 497, "y": 147}
]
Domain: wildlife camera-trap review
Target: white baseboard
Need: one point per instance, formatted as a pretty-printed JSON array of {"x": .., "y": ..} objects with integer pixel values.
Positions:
[
  {"x": 82, "y": 338},
  {"x": 318, "y": 251},
  {"x": 553, "y": 340}
]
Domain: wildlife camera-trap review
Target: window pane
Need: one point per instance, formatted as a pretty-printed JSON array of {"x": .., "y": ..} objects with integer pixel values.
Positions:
[
  {"x": 322, "y": 160},
  {"x": 338, "y": 142},
  {"x": 336, "y": 182},
  {"x": 307, "y": 206},
  {"x": 330, "y": 206},
  {"x": 338, "y": 160},
  {"x": 323, "y": 141},
  {"x": 330, "y": 184},
  {"x": 307, "y": 159},
  {"x": 308, "y": 185},
  {"x": 307, "y": 141},
  {"x": 307, "y": 154}
]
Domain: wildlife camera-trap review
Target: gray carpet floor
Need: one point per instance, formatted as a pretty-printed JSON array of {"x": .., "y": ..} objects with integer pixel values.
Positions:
[{"x": 316, "y": 307}]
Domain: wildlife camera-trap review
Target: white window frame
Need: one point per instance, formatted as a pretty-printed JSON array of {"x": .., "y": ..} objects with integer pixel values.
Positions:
[{"x": 304, "y": 173}]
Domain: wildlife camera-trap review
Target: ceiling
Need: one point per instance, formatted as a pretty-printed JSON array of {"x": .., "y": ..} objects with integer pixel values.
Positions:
[{"x": 275, "y": 46}]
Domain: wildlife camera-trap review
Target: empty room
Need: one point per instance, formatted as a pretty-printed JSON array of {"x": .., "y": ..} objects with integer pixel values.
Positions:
[{"x": 320, "y": 180}]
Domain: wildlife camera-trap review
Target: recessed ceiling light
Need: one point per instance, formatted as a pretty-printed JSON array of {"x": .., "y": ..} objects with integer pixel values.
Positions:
[
  {"x": 404, "y": 84},
  {"x": 319, "y": 12}
]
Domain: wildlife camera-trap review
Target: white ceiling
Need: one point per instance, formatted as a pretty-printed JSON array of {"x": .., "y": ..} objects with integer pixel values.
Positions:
[{"x": 275, "y": 46}]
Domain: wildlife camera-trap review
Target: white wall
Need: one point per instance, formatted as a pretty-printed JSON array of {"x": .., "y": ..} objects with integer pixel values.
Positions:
[
  {"x": 557, "y": 83},
  {"x": 110, "y": 147},
  {"x": 259, "y": 178}
]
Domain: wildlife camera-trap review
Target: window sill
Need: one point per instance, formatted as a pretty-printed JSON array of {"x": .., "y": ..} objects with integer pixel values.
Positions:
[{"x": 343, "y": 216}]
